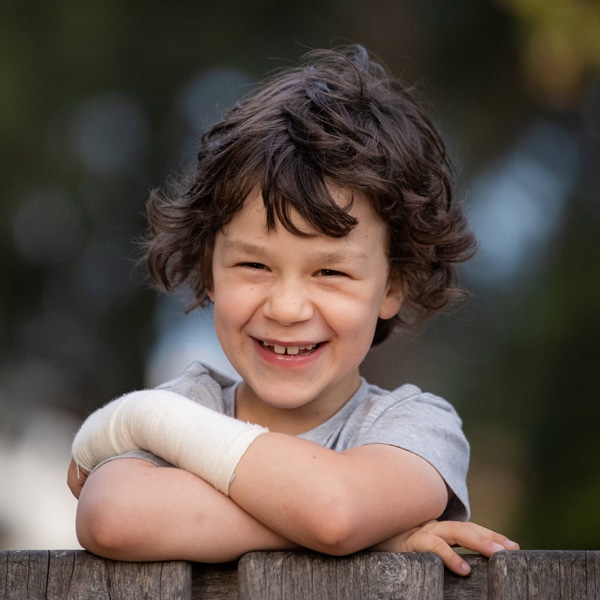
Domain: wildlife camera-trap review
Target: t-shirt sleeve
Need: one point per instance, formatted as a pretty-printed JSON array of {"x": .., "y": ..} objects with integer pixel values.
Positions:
[
  {"x": 428, "y": 426},
  {"x": 140, "y": 454}
]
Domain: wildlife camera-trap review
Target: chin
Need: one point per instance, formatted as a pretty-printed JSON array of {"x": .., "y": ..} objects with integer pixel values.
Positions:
[{"x": 290, "y": 402}]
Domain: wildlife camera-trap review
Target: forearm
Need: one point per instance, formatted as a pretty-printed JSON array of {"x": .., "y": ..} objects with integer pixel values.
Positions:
[
  {"x": 336, "y": 503},
  {"x": 131, "y": 510}
]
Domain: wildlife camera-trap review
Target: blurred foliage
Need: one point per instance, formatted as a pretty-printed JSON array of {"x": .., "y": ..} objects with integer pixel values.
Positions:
[
  {"x": 102, "y": 101},
  {"x": 560, "y": 45}
]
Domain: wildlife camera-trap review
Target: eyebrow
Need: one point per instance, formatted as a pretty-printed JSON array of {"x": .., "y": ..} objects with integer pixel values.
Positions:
[
  {"x": 330, "y": 258},
  {"x": 244, "y": 247}
]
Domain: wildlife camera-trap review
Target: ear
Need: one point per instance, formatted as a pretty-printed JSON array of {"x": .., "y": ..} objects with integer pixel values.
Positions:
[
  {"x": 210, "y": 292},
  {"x": 392, "y": 301}
]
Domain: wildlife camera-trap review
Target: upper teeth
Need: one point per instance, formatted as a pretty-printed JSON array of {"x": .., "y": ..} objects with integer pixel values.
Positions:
[{"x": 293, "y": 350}]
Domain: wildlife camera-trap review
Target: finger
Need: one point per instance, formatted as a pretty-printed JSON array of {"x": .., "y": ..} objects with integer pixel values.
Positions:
[
  {"x": 472, "y": 536},
  {"x": 426, "y": 542},
  {"x": 76, "y": 477},
  {"x": 75, "y": 488}
]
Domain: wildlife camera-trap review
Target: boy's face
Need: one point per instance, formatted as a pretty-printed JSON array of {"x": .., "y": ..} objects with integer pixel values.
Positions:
[{"x": 296, "y": 315}]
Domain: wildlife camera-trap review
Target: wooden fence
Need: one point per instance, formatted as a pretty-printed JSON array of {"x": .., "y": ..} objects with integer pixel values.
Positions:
[{"x": 522, "y": 575}]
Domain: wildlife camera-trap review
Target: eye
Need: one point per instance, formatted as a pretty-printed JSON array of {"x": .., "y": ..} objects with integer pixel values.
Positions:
[
  {"x": 252, "y": 265},
  {"x": 331, "y": 273}
]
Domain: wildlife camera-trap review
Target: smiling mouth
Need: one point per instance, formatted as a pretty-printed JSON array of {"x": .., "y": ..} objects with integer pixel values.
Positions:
[{"x": 290, "y": 350}]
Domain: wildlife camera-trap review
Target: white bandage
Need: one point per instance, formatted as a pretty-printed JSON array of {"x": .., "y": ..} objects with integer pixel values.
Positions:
[{"x": 182, "y": 432}]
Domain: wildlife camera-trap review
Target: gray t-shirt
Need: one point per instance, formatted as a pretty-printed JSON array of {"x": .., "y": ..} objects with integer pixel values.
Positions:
[{"x": 408, "y": 418}]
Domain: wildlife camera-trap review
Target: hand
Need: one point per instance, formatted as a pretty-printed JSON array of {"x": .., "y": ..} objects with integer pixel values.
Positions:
[
  {"x": 439, "y": 537},
  {"x": 76, "y": 477}
]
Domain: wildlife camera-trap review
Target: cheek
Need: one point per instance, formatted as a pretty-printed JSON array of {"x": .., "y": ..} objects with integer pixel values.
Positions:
[
  {"x": 227, "y": 324},
  {"x": 355, "y": 328},
  {"x": 352, "y": 317},
  {"x": 233, "y": 304},
  {"x": 225, "y": 309}
]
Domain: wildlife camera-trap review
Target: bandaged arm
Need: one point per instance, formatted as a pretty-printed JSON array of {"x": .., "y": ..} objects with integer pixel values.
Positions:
[{"x": 186, "y": 434}]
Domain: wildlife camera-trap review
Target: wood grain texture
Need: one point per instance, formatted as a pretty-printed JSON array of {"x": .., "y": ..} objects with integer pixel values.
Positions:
[
  {"x": 544, "y": 575},
  {"x": 472, "y": 587},
  {"x": 522, "y": 575},
  {"x": 363, "y": 576},
  {"x": 215, "y": 581},
  {"x": 592, "y": 560},
  {"x": 79, "y": 575}
]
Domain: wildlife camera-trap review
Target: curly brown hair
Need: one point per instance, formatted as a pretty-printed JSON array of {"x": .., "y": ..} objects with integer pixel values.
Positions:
[{"x": 341, "y": 118}]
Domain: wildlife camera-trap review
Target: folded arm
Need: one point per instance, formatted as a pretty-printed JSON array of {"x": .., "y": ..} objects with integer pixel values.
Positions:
[
  {"x": 130, "y": 509},
  {"x": 285, "y": 492},
  {"x": 328, "y": 501}
]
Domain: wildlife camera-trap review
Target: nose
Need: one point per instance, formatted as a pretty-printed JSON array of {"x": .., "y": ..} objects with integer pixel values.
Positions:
[{"x": 288, "y": 302}]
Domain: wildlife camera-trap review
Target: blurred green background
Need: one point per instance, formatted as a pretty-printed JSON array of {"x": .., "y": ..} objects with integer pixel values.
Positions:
[{"x": 100, "y": 101}]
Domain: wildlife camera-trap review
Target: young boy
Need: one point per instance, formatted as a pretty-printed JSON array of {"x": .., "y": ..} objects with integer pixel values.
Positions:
[{"x": 320, "y": 217}]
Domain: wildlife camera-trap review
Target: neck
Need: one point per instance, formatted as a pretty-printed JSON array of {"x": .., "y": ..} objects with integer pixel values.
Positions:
[{"x": 292, "y": 421}]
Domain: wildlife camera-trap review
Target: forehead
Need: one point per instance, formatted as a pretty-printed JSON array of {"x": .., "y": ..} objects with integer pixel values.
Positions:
[{"x": 253, "y": 215}]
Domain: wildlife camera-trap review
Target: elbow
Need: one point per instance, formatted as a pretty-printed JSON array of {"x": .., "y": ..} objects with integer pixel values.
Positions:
[
  {"x": 337, "y": 540},
  {"x": 98, "y": 538},
  {"x": 103, "y": 534},
  {"x": 339, "y": 526},
  {"x": 337, "y": 544},
  {"x": 335, "y": 530}
]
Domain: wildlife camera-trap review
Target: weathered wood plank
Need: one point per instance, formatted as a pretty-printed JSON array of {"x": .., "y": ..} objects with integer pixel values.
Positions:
[
  {"x": 168, "y": 580},
  {"x": 363, "y": 576},
  {"x": 472, "y": 587},
  {"x": 592, "y": 561},
  {"x": 3, "y": 574},
  {"x": 78, "y": 575},
  {"x": 25, "y": 575},
  {"x": 544, "y": 575},
  {"x": 215, "y": 581}
]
